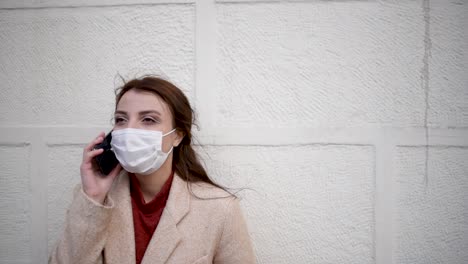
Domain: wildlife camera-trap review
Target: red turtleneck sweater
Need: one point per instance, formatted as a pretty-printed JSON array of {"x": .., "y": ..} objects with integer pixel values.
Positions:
[{"x": 146, "y": 215}]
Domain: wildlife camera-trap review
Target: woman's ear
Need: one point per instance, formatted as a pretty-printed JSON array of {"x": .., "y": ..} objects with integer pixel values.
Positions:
[{"x": 179, "y": 135}]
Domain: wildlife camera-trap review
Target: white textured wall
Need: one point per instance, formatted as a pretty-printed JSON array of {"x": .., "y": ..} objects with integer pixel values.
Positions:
[{"x": 322, "y": 109}]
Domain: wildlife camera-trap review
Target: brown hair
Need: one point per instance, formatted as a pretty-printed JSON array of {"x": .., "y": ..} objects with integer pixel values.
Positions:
[{"x": 185, "y": 161}]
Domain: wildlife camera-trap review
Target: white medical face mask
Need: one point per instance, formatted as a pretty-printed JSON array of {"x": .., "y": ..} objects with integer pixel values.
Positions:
[{"x": 138, "y": 150}]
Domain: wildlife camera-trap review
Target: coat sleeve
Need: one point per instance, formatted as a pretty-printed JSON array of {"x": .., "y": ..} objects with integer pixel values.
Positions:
[
  {"x": 84, "y": 234},
  {"x": 235, "y": 245}
]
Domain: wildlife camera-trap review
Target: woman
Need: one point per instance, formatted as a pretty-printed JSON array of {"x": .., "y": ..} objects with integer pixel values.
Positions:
[{"x": 158, "y": 205}]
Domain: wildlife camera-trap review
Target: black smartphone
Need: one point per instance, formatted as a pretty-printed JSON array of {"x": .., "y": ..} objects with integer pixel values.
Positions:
[{"x": 106, "y": 161}]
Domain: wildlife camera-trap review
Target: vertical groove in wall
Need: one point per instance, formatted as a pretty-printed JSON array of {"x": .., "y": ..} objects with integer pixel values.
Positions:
[
  {"x": 425, "y": 81},
  {"x": 38, "y": 188},
  {"x": 384, "y": 197},
  {"x": 205, "y": 51}
]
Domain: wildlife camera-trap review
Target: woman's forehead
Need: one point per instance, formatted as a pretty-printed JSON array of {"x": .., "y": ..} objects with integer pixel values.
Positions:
[{"x": 135, "y": 101}]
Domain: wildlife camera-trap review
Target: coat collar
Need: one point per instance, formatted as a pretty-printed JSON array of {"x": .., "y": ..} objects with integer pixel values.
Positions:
[
  {"x": 121, "y": 244},
  {"x": 166, "y": 236}
]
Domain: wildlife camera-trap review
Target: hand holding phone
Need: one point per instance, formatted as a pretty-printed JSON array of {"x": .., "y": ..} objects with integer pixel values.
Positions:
[
  {"x": 95, "y": 183},
  {"x": 106, "y": 161}
]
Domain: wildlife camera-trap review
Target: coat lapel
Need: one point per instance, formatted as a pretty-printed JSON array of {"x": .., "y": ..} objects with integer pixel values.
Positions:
[
  {"x": 166, "y": 236},
  {"x": 122, "y": 233}
]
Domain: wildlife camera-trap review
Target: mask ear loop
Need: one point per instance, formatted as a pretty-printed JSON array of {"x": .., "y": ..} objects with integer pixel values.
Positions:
[
  {"x": 172, "y": 147},
  {"x": 169, "y": 132},
  {"x": 169, "y": 152}
]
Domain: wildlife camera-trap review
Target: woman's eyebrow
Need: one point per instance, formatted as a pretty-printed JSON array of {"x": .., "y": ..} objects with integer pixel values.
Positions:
[
  {"x": 120, "y": 112},
  {"x": 140, "y": 113},
  {"x": 149, "y": 112}
]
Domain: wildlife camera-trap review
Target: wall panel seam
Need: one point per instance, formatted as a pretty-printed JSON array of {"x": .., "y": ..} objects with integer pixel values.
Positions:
[
  {"x": 205, "y": 61},
  {"x": 39, "y": 179},
  {"x": 7, "y": 7}
]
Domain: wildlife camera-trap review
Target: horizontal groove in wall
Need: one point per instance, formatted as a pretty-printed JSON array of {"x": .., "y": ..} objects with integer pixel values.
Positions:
[
  {"x": 12, "y": 4},
  {"x": 433, "y": 146},
  {"x": 259, "y": 136},
  {"x": 14, "y": 144},
  {"x": 285, "y": 1}
]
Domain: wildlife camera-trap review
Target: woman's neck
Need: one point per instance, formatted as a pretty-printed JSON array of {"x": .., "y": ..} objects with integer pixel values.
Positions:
[{"x": 151, "y": 184}]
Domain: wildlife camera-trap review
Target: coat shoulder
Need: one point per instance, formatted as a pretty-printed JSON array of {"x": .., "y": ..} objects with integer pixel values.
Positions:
[
  {"x": 206, "y": 191},
  {"x": 209, "y": 198}
]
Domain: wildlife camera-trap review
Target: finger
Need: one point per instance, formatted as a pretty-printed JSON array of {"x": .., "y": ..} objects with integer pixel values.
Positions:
[
  {"x": 97, "y": 140},
  {"x": 88, "y": 156},
  {"x": 115, "y": 171},
  {"x": 91, "y": 144}
]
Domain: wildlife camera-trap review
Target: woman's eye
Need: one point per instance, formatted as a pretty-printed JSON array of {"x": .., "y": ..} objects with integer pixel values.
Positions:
[
  {"x": 149, "y": 120},
  {"x": 118, "y": 120}
]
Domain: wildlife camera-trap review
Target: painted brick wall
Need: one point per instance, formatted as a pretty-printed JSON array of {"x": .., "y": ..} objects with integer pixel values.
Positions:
[{"x": 345, "y": 121}]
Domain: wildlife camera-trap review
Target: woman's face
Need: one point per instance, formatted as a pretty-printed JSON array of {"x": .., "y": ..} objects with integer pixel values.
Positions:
[{"x": 146, "y": 110}]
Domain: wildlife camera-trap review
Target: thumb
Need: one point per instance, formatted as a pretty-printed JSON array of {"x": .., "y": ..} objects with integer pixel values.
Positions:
[{"x": 115, "y": 172}]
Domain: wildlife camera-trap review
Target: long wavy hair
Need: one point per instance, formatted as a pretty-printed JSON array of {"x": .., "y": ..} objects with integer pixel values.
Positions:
[{"x": 185, "y": 160}]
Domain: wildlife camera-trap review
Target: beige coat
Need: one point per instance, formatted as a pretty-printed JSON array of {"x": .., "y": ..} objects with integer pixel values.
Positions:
[{"x": 190, "y": 230}]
